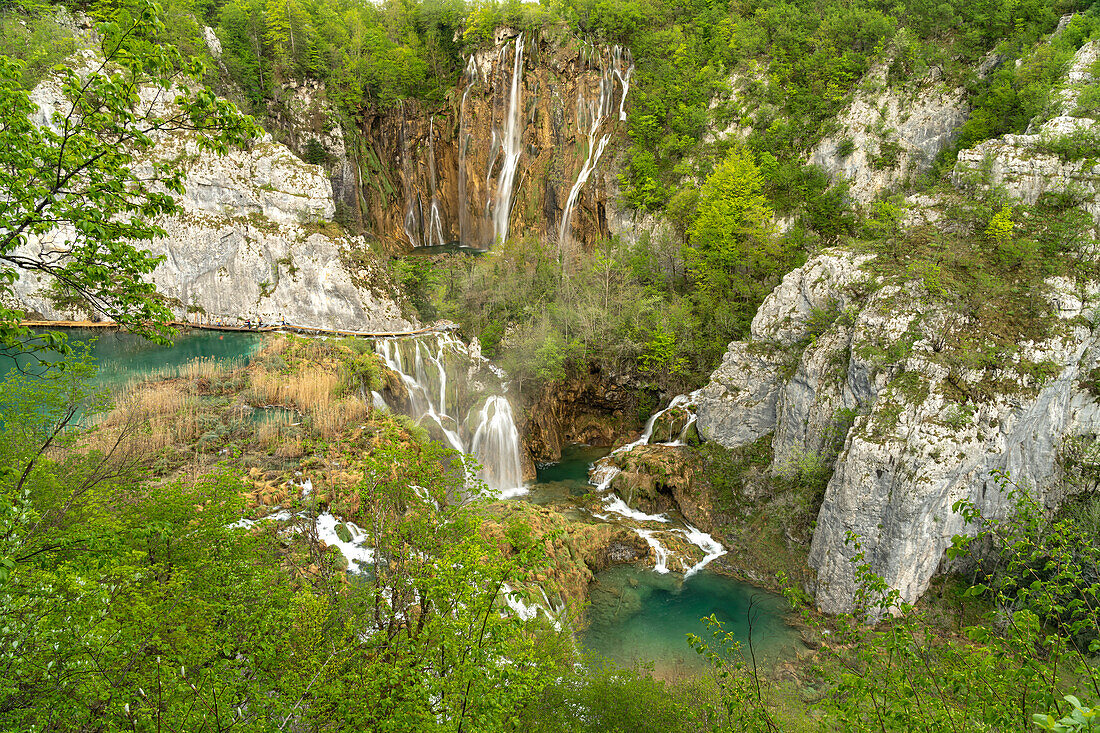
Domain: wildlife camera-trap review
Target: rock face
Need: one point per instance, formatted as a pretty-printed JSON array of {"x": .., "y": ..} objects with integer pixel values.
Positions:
[
  {"x": 837, "y": 356},
  {"x": 252, "y": 239},
  {"x": 591, "y": 408},
  {"x": 868, "y": 377},
  {"x": 1027, "y": 166},
  {"x": 528, "y": 138},
  {"x": 890, "y": 133}
]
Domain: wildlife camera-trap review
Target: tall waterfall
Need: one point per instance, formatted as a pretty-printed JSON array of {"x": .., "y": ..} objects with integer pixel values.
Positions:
[
  {"x": 511, "y": 143},
  {"x": 592, "y": 113},
  {"x": 464, "y": 233},
  {"x": 434, "y": 371}
]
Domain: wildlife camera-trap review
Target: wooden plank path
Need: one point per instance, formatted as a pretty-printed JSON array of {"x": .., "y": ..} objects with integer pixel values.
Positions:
[{"x": 288, "y": 327}]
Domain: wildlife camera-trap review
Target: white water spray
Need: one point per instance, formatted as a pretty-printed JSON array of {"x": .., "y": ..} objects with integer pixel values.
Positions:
[
  {"x": 490, "y": 435},
  {"x": 511, "y": 144}
]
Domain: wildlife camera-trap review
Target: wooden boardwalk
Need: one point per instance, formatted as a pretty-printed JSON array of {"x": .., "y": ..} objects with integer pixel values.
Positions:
[{"x": 265, "y": 328}]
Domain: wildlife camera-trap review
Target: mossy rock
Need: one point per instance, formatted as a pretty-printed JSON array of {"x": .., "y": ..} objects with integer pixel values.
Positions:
[
  {"x": 343, "y": 532},
  {"x": 668, "y": 426}
]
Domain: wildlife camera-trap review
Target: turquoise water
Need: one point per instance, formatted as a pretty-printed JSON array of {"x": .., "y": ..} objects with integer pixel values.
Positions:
[
  {"x": 563, "y": 483},
  {"x": 124, "y": 357},
  {"x": 640, "y": 617},
  {"x": 575, "y": 460}
]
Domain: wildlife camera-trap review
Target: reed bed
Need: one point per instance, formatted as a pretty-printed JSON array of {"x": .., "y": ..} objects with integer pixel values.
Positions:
[
  {"x": 156, "y": 415},
  {"x": 332, "y": 419},
  {"x": 281, "y": 435},
  {"x": 307, "y": 391}
]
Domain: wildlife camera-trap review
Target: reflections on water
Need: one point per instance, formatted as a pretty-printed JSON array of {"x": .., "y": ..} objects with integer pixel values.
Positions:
[
  {"x": 638, "y": 617},
  {"x": 124, "y": 357}
]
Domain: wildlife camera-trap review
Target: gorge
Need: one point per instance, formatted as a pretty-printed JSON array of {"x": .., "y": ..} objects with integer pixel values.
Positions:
[{"x": 620, "y": 316}]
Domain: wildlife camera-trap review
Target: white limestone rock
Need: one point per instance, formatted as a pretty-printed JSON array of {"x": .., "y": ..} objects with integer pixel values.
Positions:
[
  {"x": 918, "y": 443},
  {"x": 250, "y": 239},
  {"x": 922, "y": 118},
  {"x": 1022, "y": 164}
]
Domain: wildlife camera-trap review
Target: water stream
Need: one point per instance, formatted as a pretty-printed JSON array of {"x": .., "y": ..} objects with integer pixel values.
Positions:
[
  {"x": 593, "y": 112},
  {"x": 637, "y": 613},
  {"x": 511, "y": 143}
]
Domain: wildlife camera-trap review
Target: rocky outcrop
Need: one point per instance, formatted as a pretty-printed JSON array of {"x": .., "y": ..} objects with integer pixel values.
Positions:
[
  {"x": 660, "y": 478},
  {"x": 252, "y": 239},
  {"x": 839, "y": 359},
  {"x": 890, "y": 133},
  {"x": 1055, "y": 155},
  {"x": 436, "y": 174}
]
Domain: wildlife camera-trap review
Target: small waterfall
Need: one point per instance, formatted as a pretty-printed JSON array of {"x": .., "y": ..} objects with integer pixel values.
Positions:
[
  {"x": 660, "y": 552},
  {"x": 604, "y": 472},
  {"x": 489, "y": 434},
  {"x": 592, "y": 113},
  {"x": 511, "y": 144},
  {"x": 496, "y": 445},
  {"x": 464, "y": 234}
]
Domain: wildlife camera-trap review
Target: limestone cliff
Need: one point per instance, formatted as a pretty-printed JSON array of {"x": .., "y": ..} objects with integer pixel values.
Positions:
[
  {"x": 904, "y": 395},
  {"x": 252, "y": 239},
  {"x": 524, "y": 144},
  {"x": 915, "y": 438}
]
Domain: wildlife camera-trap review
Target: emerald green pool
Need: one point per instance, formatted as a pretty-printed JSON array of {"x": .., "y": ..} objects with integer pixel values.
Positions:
[
  {"x": 638, "y": 617},
  {"x": 124, "y": 357}
]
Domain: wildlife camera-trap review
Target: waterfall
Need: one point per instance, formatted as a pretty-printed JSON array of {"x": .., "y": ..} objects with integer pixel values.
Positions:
[
  {"x": 624, "y": 79},
  {"x": 489, "y": 434},
  {"x": 463, "y": 145},
  {"x": 660, "y": 552},
  {"x": 511, "y": 145},
  {"x": 496, "y": 445},
  {"x": 594, "y": 111},
  {"x": 434, "y": 235},
  {"x": 604, "y": 472},
  {"x": 414, "y": 208}
]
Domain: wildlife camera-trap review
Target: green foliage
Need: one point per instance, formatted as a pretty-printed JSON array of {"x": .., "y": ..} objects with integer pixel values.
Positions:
[
  {"x": 366, "y": 55},
  {"x": 34, "y": 34},
  {"x": 360, "y": 367},
  {"x": 1023, "y": 85},
  {"x": 732, "y": 256},
  {"x": 130, "y": 602},
  {"x": 79, "y": 172}
]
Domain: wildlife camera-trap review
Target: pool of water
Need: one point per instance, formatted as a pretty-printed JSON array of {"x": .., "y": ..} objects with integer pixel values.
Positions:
[
  {"x": 565, "y": 482},
  {"x": 639, "y": 617},
  {"x": 124, "y": 357}
]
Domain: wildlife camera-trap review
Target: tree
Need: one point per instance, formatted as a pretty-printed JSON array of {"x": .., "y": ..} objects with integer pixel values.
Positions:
[
  {"x": 82, "y": 189},
  {"x": 731, "y": 254}
]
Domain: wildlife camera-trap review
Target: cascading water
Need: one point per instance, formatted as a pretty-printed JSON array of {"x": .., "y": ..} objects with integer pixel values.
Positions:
[
  {"x": 511, "y": 143},
  {"x": 622, "y": 57},
  {"x": 485, "y": 430},
  {"x": 603, "y": 473},
  {"x": 497, "y": 440},
  {"x": 464, "y": 233},
  {"x": 434, "y": 233},
  {"x": 414, "y": 207},
  {"x": 592, "y": 114}
]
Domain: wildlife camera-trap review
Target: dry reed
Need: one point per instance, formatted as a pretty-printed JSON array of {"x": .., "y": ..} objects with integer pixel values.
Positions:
[
  {"x": 305, "y": 391},
  {"x": 162, "y": 413}
]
